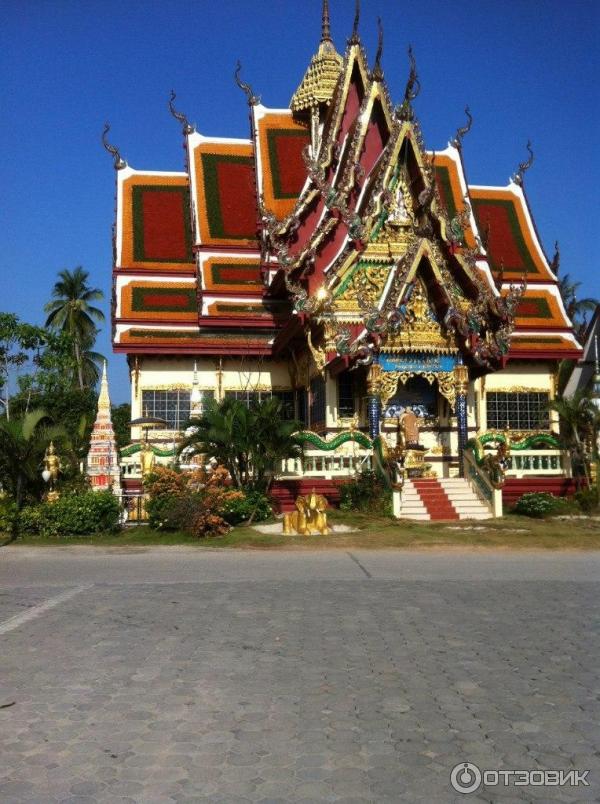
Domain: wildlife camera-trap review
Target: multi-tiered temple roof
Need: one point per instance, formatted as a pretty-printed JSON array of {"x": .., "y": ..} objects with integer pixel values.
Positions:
[{"x": 323, "y": 222}]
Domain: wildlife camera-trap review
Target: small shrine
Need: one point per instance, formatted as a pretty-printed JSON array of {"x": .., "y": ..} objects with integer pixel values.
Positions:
[{"x": 102, "y": 465}]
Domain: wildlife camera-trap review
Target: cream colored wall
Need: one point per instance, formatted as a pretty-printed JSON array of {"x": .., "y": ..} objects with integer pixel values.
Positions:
[
  {"x": 517, "y": 376},
  {"x": 214, "y": 374}
]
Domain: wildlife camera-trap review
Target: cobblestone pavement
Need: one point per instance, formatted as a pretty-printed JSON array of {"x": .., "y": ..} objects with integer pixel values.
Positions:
[{"x": 331, "y": 677}]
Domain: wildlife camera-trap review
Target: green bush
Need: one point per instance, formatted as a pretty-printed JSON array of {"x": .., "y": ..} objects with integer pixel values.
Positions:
[
  {"x": 253, "y": 503},
  {"x": 31, "y": 520},
  {"x": 367, "y": 494},
  {"x": 72, "y": 515},
  {"x": 588, "y": 500},
  {"x": 9, "y": 515},
  {"x": 163, "y": 511},
  {"x": 540, "y": 504}
]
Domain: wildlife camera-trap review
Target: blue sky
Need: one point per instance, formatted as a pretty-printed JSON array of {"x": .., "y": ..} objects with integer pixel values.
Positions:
[{"x": 527, "y": 68}]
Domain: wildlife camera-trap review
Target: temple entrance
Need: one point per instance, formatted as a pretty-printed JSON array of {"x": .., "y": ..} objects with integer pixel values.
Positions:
[{"x": 416, "y": 393}]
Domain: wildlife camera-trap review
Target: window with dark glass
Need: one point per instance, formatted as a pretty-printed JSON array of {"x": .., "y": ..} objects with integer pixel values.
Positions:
[
  {"x": 517, "y": 411},
  {"x": 301, "y": 405},
  {"x": 252, "y": 397},
  {"x": 317, "y": 401},
  {"x": 287, "y": 403},
  {"x": 345, "y": 385},
  {"x": 172, "y": 406}
]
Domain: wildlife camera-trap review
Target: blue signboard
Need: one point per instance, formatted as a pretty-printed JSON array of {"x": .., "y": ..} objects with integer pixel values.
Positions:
[{"x": 418, "y": 363}]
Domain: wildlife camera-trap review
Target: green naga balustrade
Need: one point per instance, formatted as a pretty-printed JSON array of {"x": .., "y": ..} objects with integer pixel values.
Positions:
[{"x": 132, "y": 449}]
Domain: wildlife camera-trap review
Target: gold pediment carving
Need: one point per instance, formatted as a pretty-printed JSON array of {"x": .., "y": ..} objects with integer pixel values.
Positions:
[{"x": 420, "y": 331}]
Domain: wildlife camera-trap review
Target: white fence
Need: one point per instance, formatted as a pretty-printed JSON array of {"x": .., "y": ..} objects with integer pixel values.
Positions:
[{"x": 319, "y": 463}]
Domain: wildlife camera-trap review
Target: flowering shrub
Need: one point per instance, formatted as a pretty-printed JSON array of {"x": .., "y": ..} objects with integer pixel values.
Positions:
[
  {"x": 249, "y": 504},
  {"x": 539, "y": 504},
  {"x": 194, "y": 502}
]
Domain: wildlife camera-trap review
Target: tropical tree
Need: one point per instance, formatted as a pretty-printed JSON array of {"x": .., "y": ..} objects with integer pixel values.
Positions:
[
  {"x": 576, "y": 308},
  {"x": 249, "y": 441},
  {"x": 23, "y": 441},
  {"x": 71, "y": 311},
  {"x": 577, "y": 422},
  {"x": 121, "y": 420},
  {"x": 17, "y": 341}
]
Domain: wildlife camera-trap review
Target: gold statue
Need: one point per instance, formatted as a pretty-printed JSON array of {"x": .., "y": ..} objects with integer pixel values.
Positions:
[
  {"x": 147, "y": 459},
  {"x": 310, "y": 516},
  {"x": 52, "y": 463},
  {"x": 52, "y": 467},
  {"x": 409, "y": 422}
]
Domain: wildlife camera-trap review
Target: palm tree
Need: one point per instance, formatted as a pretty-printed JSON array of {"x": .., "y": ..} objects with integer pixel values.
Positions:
[
  {"x": 249, "y": 442},
  {"x": 23, "y": 441},
  {"x": 71, "y": 312},
  {"x": 577, "y": 416},
  {"x": 576, "y": 308}
]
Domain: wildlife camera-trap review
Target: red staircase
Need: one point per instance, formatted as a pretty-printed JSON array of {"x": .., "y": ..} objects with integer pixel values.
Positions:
[
  {"x": 435, "y": 499},
  {"x": 284, "y": 492}
]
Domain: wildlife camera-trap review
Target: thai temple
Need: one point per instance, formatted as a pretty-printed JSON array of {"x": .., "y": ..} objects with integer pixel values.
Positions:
[{"x": 331, "y": 259}]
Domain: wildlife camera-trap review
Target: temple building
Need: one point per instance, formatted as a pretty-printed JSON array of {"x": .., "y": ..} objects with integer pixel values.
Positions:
[{"x": 330, "y": 259}]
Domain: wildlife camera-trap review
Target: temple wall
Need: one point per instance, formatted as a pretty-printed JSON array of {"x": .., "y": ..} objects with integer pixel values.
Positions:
[
  {"x": 214, "y": 374},
  {"x": 518, "y": 376}
]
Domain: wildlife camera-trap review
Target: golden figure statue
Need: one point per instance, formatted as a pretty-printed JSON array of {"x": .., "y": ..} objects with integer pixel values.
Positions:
[
  {"x": 147, "y": 459},
  {"x": 52, "y": 463},
  {"x": 52, "y": 466},
  {"x": 310, "y": 516},
  {"x": 409, "y": 422}
]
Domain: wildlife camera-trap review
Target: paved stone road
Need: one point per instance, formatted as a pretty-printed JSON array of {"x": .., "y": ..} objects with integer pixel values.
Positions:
[{"x": 164, "y": 676}]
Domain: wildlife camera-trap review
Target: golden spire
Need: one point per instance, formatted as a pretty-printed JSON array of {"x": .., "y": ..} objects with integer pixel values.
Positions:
[
  {"x": 104, "y": 399},
  {"x": 325, "y": 26},
  {"x": 319, "y": 81}
]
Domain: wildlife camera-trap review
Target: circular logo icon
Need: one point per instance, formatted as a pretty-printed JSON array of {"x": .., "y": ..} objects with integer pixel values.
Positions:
[{"x": 465, "y": 777}]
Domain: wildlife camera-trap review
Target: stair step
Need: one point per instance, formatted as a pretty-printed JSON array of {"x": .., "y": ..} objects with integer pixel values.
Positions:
[{"x": 439, "y": 499}]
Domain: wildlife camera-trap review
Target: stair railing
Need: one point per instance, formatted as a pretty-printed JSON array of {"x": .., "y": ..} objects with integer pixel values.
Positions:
[{"x": 482, "y": 484}]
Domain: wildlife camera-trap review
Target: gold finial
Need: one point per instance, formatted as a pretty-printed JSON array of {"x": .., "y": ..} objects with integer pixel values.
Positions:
[
  {"x": 377, "y": 73},
  {"x": 463, "y": 130},
  {"x": 354, "y": 39},
  {"x": 119, "y": 163},
  {"x": 188, "y": 128},
  {"x": 104, "y": 398},
  {"x": 524, "y": 166},
  {"x": 319, "y": 82},
  {"x": 555, "y": 264},
  {"x": 325, "y": 23},
  {"x": 253, "y": 100},
  {"x": 412, "y": 89}
]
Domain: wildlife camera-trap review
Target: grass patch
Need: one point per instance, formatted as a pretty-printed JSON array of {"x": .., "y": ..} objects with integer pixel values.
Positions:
[{"x": 370, "y": 532}]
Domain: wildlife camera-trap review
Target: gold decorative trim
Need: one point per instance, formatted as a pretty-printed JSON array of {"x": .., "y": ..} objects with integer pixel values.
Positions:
[
  {"x": 176, "y": 386},
  {"x": 388, "y": 383},
  {"x": 518, "y": 389}
]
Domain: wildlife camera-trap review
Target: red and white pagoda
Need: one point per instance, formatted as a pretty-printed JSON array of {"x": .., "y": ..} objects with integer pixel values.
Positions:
[{"x": 102, "y": 467}]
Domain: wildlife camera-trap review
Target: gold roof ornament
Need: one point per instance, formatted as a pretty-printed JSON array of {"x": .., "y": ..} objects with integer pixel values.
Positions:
[
  {"x": 321, "y": 77},
  {"x": 421, "y": 332}
]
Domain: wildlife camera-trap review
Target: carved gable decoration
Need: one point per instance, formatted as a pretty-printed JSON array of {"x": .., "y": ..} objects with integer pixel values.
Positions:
[{"x": 421, "y": 331}]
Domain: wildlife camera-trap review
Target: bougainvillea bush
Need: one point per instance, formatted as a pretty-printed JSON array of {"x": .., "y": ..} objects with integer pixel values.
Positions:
[{"x": 194, "y": 502}]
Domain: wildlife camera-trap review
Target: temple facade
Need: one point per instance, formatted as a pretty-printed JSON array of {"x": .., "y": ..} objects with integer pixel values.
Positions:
[{"x": 330, "y": 259}]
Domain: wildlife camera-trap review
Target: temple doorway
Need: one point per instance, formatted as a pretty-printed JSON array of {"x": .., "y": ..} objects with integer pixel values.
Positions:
[{"x": 416, "y": 393}]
